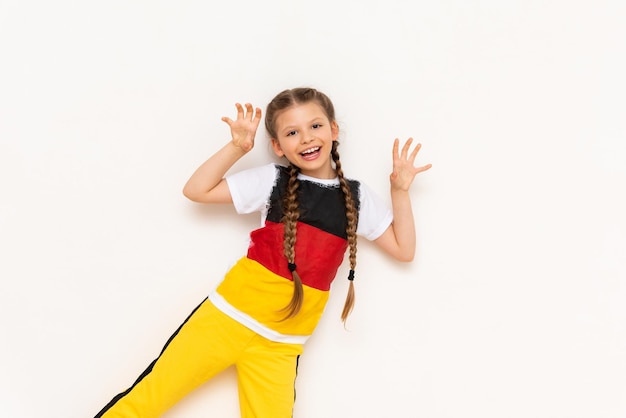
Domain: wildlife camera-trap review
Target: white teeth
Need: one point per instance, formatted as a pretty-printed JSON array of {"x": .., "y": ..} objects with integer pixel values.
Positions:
[{"x": 309, "y": 151}]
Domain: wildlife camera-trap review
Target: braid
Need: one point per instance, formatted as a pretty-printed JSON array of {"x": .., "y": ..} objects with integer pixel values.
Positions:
[
  {"x": 352, "y": 217},
  {"x": 290, "y": 218}
]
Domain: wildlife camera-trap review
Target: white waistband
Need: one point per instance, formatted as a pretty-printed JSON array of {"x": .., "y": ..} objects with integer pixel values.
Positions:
[{"x": 246, "y": 320}]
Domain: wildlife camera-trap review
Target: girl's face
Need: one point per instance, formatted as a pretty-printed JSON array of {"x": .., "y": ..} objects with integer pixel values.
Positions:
[{"x": 305, "y": 137}]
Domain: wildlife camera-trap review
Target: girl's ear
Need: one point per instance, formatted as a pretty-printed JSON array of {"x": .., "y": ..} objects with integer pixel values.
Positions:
[
  {"x": 334, "y": 129},
  {"x": 276, "y": 147}
]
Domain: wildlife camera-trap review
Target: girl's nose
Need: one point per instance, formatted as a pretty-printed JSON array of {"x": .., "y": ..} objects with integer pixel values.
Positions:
[{"x": 306, "y": 138}]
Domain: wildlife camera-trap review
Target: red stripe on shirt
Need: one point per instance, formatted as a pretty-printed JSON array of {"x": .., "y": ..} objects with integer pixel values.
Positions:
[{"x": 318, "y": 253}]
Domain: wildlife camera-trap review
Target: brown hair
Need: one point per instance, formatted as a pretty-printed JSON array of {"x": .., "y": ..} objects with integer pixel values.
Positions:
[{"x": 282, "y": 101}]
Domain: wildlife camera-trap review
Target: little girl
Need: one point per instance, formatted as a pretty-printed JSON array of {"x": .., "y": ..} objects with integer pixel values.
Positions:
[{"x": 269, "y": 303}]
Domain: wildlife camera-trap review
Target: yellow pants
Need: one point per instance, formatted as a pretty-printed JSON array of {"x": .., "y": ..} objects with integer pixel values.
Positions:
[{"x": 208, "y": 342}]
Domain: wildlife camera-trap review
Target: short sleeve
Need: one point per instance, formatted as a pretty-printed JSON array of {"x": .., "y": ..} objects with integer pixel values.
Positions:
[
  {"x": 374, "y": 215},
  {"x": 250, "y": 189}
]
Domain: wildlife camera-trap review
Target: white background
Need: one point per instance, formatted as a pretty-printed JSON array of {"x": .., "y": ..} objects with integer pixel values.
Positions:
[{"x": 516, "y": 303}]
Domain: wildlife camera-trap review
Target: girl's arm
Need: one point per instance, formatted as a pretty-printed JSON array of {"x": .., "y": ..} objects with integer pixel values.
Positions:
[
  {"x": 399, "y": 239},
  {"x": 207, "y": 184}
]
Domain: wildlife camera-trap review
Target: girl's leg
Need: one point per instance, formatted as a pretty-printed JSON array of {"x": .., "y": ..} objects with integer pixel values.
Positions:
[
  {"x": 205, "y": 344},
  {"x": 266, "y": 373}
]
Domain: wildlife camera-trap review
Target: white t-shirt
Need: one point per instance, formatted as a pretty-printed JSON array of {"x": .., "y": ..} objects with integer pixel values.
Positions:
[{"x": 250, "y": 190}]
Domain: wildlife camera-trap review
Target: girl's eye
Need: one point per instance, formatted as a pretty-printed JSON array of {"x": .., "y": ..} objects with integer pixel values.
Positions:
[
  {"x": 316, "y": 125},
  {"x": 290, "y": 133}
]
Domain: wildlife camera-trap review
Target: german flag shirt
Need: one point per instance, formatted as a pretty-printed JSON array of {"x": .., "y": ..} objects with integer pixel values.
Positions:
[{"x": 258, "y": 287}]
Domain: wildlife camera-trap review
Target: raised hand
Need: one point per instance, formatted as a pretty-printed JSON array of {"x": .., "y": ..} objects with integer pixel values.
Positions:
[
  {"x": 404, "y": 170},
  {"x": 243, "y": 129}
]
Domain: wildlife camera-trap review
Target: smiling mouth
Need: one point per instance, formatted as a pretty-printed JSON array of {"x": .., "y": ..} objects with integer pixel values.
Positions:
[{"x": 311, "y": 153}]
